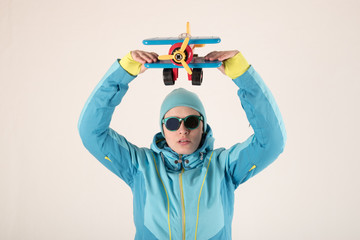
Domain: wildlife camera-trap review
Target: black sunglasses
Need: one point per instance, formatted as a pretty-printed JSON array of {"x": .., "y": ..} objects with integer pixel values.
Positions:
[{"x": 191, "y": 122}]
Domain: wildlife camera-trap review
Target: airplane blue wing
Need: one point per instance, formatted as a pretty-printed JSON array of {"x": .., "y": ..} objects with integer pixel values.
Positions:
[
  {"x": 173, "y": 40},
  {"x": 197, "y": 62}
]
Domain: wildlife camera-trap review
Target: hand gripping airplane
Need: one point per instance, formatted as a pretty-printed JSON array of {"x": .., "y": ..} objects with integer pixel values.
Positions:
[{"x": 181, "y": 55}]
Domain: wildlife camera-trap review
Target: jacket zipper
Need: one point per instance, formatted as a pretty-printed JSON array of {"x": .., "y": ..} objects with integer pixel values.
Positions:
[{"x": 182, "y": 198}]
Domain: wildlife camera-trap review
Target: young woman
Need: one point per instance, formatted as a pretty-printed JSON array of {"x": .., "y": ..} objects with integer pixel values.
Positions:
[{"x": 182, "y": 187}]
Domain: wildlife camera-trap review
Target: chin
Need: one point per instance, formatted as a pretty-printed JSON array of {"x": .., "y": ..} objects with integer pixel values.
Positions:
[{"x": 185, "y": 151}]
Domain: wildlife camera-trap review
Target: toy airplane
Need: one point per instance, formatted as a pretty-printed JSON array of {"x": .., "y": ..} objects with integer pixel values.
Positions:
[{"x": 181, "y": 55}]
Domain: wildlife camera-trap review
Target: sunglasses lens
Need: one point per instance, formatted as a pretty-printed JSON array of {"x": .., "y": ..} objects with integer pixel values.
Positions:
[
  {"x": 172, "y": 124},
  {"x": 192, "y": 122}
]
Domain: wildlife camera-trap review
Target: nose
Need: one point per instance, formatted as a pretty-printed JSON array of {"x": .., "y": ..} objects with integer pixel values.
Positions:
[{"x": 182, "y": 129}]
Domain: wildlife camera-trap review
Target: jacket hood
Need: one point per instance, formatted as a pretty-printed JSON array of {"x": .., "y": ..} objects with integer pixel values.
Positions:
[{"x": 189, "y": 161}]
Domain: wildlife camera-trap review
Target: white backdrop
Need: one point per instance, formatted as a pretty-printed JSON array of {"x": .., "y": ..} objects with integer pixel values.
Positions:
[{"x": 53, "y": 53}]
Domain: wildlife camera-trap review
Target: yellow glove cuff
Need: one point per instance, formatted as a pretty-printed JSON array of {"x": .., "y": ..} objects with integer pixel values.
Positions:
[
  {"x": 236, "y": 66},
  {"x": 130, "y": 65}
]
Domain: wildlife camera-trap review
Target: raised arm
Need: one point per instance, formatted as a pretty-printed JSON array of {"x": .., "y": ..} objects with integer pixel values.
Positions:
[
  {"x": 110, "y": 148},
  {"x": 245, "y": 160}
]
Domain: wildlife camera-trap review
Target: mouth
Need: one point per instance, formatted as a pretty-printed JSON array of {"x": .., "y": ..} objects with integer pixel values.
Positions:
[{"x": 184, "y": 141}]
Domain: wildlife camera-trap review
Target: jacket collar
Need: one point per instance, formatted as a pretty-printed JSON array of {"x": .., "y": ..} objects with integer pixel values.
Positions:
[{"x": 171, "y": 158}]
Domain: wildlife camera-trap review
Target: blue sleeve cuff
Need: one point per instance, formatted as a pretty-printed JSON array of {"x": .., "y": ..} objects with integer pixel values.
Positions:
[
  {"x": 241, "y": 81},
  {"x": 121, "y": 73}
]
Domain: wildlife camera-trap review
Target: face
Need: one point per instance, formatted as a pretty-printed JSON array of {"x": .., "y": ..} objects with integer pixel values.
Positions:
[{"x": 183, "y": 140}]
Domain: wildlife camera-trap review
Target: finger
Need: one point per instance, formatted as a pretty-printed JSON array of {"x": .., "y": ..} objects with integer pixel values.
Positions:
[
  {"x": 215, "y": 56},
  {"x": 210, "y": 56},
  {"x": 207, "y": 55},
  {"x": 146, "y": 56},
  {"x": 228, "y": 54},
  {"x": 136, "y": 56},
  {"x": 224, "y": 55},
  {"x": 142, "y": 56},
  {"x": 153, "y": 57}
]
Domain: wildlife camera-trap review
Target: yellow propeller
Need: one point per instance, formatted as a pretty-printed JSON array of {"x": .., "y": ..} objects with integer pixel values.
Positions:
[
  {"x": 166, "y": 57},
  {"x": 187, "y": 68},
  {"x": 184, "y": 44},
  {"x": 179, "y": 55}
]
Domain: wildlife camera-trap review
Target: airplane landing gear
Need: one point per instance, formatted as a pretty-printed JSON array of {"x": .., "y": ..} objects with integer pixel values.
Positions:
[{"x": 197, "y": 76}]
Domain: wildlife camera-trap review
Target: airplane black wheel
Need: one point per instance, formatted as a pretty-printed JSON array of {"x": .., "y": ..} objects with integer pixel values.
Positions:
[
  {"x": 168, "y": 76},
  {"x": 197, "y": 76}
]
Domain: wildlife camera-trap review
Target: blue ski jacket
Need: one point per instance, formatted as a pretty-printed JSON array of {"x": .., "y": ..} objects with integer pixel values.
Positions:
[{"x": 192, "y": 198}]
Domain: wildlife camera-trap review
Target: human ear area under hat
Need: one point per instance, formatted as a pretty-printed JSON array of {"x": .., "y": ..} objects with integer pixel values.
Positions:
[{"x": 182, "y": 97}]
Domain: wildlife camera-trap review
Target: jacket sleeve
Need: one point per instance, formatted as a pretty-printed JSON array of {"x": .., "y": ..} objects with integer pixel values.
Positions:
[
  {"x": 245, "y": 160},
  {"x": 110, "y": 148}
]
